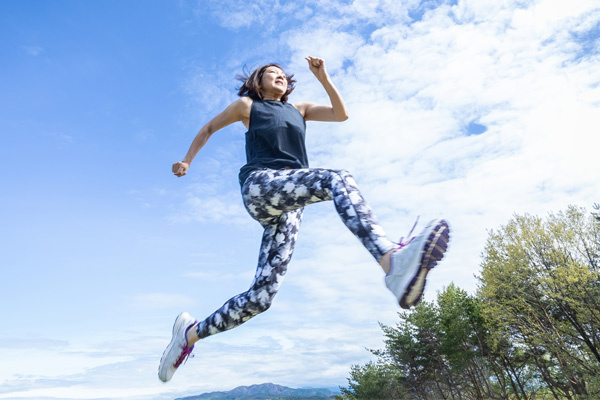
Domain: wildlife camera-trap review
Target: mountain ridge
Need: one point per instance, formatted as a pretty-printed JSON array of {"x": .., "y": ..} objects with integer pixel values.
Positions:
[{"x": 265, "y": 391}]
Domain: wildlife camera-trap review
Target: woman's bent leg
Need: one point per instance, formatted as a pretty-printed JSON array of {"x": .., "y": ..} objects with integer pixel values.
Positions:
[
  {"x": 357, "y": 215},
  {"x": 267, "y": 193},
  {"x": 276, "y": 251}
]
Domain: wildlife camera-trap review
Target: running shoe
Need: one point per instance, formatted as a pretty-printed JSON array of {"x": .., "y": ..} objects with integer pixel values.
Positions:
[
  {"x": 413, "y": 260},
  {"x": 177, "y": 351}
]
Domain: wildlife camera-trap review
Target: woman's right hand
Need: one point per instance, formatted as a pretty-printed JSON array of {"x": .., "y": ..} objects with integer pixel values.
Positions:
[{"x": 180, "y": 168}]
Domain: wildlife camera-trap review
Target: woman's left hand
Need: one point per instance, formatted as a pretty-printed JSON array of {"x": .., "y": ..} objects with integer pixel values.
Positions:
[{"x": 317, "y": 67}]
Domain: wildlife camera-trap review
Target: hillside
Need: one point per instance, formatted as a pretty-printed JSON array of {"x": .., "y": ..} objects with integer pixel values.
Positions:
[{"x": 266, "y": 391}]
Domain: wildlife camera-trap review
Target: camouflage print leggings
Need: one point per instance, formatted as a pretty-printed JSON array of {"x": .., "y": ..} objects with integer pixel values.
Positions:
[{"x": 276, "y": 198}]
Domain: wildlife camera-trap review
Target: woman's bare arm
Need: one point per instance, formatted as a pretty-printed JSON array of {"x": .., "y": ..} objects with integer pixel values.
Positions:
[
  {"x": 314, "y": 112},
  {"x": 239, "y": 110}
]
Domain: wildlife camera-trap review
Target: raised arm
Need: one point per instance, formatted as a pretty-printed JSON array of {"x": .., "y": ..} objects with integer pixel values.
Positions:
[
  {"x": 239, "y": 110},
  {"x": 314, "y": 112}
]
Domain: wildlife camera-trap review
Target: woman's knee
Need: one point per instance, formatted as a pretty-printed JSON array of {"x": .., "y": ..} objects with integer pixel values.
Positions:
[
  {"x": 262, "y": 307},
  {"x": 343, "y": 176},
  {"x": 261, "y": 301}
]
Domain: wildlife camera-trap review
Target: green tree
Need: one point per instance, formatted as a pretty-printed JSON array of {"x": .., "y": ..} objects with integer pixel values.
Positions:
[
  {"x": 375, "y": 382},
  {"x": 437, "y": 352},
  {"x": 462, "y": 342},
  {"x": 540, "y": 289},
  {"x": 532, "y": 331}
]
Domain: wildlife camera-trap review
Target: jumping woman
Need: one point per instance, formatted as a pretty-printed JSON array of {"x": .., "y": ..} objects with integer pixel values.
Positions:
[{"x": 276, "y": 183}]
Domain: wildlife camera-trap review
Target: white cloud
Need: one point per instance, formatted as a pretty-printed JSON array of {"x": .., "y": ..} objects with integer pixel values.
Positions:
[
  {"x": 214, "y": 197},
  {"x": 87, "y": 369},
  {"x": 235, "y": 14},
  {"x": 155, "y": 301},
  {"x": 206, "y": 209},
  {"x": 209, "y": 91}
]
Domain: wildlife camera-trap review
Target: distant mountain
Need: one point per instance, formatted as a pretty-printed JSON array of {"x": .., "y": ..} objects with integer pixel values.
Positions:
[{"x": 266, "y": 391}]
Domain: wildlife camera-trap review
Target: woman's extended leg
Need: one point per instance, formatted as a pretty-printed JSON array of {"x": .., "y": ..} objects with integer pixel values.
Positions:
[
  {"x": 275, "y": 254},
  {"x": 279, "y": 238}
]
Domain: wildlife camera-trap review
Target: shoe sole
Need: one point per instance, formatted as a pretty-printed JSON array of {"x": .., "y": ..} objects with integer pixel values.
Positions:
[{"x": 433, "y": 251}]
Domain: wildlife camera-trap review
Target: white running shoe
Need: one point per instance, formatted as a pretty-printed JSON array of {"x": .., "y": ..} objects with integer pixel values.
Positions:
[
  {"x": 177, "y": 351},
  {"x": 413, "y": 260}
]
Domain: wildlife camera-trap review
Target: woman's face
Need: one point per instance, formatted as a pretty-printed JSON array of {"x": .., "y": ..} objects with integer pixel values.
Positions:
[{"x": 273, "y": 83}]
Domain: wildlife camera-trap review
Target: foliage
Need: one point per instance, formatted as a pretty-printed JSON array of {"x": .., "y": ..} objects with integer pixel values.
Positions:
[
  {"x": 374, "y": 381},
  {"x": 532, "y": 330},
  {"x": 540, "y": 289}
]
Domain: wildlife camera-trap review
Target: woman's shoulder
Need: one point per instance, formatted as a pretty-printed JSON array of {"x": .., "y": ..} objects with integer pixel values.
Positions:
[
  {"x": 303, "y": 106},
  {"x": 241, "y": 106},
  {"x": 243, "y": 102}
]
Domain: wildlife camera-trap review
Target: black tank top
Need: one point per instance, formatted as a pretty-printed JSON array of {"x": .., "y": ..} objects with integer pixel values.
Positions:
[{"x": 275, "y": 138}]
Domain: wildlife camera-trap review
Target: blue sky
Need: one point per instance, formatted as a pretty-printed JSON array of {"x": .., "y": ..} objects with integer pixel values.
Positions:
[{"x": 469, "y": 110}]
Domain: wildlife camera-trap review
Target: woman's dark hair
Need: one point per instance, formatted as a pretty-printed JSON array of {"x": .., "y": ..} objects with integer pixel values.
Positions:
[{"x": 251, "y": 83}]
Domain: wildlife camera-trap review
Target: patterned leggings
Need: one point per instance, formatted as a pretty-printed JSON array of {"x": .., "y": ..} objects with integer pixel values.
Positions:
[{"x": 275, "y": 198}]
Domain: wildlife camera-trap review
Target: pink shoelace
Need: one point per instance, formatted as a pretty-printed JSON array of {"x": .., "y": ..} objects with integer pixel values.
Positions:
[
  {"x": 185, "y": 354},
  {"x": 401, "y": 243}
]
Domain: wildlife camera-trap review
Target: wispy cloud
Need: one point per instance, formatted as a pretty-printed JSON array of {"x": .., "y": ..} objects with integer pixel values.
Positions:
[
  {"x": 59, "y": 137},
  {"x": 157, "y": 301},
  {"x": 201, "y": 206},
  {"x": 269, "y": 15},
  {"x": 33, "y": 50},
  {"x": 28, "y": 343}
]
